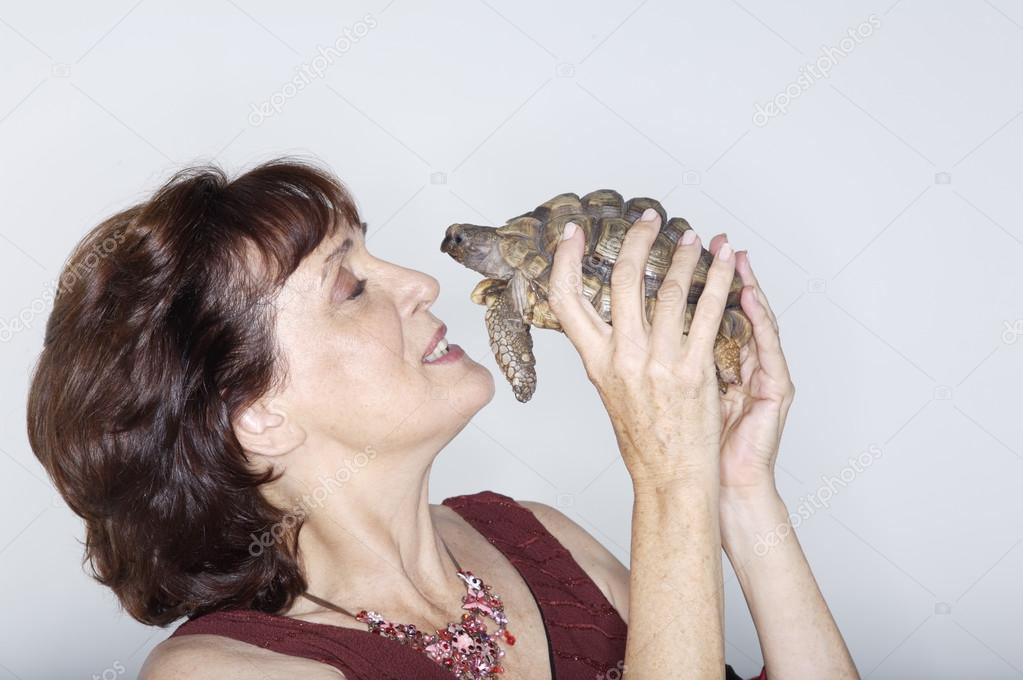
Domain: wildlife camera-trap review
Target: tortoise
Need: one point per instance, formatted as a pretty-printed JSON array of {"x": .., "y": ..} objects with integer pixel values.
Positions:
[{"x": 516, "y": 260}]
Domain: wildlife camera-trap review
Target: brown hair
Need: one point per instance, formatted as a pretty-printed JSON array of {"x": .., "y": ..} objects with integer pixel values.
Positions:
[{"x": 160, "y": 334}]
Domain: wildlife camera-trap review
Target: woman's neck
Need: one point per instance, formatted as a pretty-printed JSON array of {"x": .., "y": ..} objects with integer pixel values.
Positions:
[{"x": 373, "y": 544}]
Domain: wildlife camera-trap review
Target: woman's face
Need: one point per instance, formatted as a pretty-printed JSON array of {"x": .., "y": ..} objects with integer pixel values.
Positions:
[{"x": 353, "y": 330}]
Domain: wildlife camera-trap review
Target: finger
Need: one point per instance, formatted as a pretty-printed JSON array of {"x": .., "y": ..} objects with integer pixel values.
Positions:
[
  {"x": 748, "y": 356},
  {"x": 628, "y": 308},
  {"x": 742, "y": 265},
  {"x": 716, "y": 242},
  {"x": 580, "y": 321},
  {"x": 669, "y": 312},
  {"x": 765, "y": 335},
  {"x": 711, "y": 305}
]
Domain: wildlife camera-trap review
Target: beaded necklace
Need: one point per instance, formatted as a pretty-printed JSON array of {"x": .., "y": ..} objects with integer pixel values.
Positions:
[{"x": 463, "y": 647}]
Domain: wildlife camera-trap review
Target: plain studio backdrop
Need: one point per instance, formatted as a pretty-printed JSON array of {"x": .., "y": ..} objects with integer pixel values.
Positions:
[{"x": 866, "y": 153}]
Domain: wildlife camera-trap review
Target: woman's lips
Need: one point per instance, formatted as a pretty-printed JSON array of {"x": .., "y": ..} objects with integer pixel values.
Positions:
[
  {"x": 437, "y": 336},
  {"x": 453, "y": 354}
]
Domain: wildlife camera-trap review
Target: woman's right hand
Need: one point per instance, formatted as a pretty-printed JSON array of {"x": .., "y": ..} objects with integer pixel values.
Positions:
[{"x": 659, "y": 386}]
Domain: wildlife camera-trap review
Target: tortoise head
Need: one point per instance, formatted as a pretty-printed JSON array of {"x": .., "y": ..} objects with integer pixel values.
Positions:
[{"x": 476, "y": 247}]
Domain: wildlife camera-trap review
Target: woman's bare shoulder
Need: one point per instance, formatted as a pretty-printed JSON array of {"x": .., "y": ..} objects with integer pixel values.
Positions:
[
  {"x": 214, "y": 657},
  {"x": 597, "y": 561}
]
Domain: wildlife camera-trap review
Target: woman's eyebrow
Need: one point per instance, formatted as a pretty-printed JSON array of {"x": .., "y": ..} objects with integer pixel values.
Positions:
[{"x": 338, "y": 254}]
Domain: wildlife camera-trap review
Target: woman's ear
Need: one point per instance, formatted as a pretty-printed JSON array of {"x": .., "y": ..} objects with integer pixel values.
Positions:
[{"x": 267, "y": 431}]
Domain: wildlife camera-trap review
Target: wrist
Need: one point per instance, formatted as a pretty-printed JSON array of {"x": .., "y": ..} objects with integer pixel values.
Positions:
[
  {"x": 675, "y": 516},
  {"x": 692, "y": 497},
  {"x": 702, "y": 481},
  {"x": 752, "y": 522},
  {"x": 758, "y": 496}
]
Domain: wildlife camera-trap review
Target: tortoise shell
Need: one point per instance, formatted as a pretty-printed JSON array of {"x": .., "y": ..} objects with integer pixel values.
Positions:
[{"x": 516, "y": 260}]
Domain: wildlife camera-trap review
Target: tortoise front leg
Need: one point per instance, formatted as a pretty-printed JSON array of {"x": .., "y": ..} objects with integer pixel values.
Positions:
[
  {"x": 510, "y": 337},
  {"x": 735, "y": 331}
]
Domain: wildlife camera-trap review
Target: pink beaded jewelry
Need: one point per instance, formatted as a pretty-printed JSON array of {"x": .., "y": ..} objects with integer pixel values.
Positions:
[{"x": 465, "y": 647}]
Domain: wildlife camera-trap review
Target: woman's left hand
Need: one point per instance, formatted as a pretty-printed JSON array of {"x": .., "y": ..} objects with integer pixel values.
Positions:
[
  {"x": 753, "y": 414},
  {"x": 798, "y": 635}
]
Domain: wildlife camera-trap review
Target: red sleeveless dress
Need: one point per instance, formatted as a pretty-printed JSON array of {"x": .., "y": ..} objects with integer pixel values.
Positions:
[{"x": 585, "y": 634}]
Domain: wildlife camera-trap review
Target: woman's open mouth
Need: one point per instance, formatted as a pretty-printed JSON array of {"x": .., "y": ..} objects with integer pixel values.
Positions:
[{"x": 442, "y": 352}]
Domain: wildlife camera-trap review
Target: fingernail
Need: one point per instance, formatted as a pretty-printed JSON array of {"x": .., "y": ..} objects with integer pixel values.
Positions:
[
  {"x": 747, "y": 256},
  {"x": 648, "y": 215},
  {"x": 568, "y": 231},
  {"x": 725, "y": 252},
  {"x": 688, "y": 237}
]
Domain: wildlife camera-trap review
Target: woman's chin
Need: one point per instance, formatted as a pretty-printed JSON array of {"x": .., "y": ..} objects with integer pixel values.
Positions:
[
  {"x": 473, "y": 390},
  {"x": 480, "y": 382}
]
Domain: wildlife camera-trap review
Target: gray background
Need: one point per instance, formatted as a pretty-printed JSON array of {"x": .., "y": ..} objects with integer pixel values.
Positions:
[{"x": 882, "y": 212}]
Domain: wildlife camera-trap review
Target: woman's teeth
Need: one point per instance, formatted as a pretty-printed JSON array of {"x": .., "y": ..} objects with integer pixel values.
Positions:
[{"x": 440, "y": 350}]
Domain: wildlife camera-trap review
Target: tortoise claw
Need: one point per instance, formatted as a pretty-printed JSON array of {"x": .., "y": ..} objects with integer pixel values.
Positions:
[{"x": 511, "y": 342}]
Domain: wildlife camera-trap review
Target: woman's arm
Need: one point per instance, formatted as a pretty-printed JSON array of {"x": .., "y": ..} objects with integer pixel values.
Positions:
[
  {"x": 675, "y": 583},
  {"x": 215, "y": 657},
  {"x": 662, "y": 398},
  {"x": 798, "y": 636}
]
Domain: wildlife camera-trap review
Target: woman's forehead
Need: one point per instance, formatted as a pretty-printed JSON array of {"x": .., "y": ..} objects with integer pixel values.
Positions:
[
  {"x": 340, "y": 244},
  {"x": 353, "y": 233}
]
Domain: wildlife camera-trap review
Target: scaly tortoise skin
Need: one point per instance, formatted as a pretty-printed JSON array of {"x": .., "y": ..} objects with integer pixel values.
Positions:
[{"x": 516, "y": 258}]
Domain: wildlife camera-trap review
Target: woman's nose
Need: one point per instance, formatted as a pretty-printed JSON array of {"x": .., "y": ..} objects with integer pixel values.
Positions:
[{"x": 420, "y": 290}]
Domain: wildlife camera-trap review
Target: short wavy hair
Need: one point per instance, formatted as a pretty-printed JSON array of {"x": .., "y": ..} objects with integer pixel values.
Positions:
[{"x": 161, "y": 333}]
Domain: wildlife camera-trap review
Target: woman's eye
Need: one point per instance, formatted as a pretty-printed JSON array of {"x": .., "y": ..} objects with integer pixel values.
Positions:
[
  {"x": 359, "y": 287},
  {"x": 344, "y": 280}
]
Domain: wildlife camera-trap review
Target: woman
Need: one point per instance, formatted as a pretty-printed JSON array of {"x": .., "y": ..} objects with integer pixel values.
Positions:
[{"x": 239, "y": 398}]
